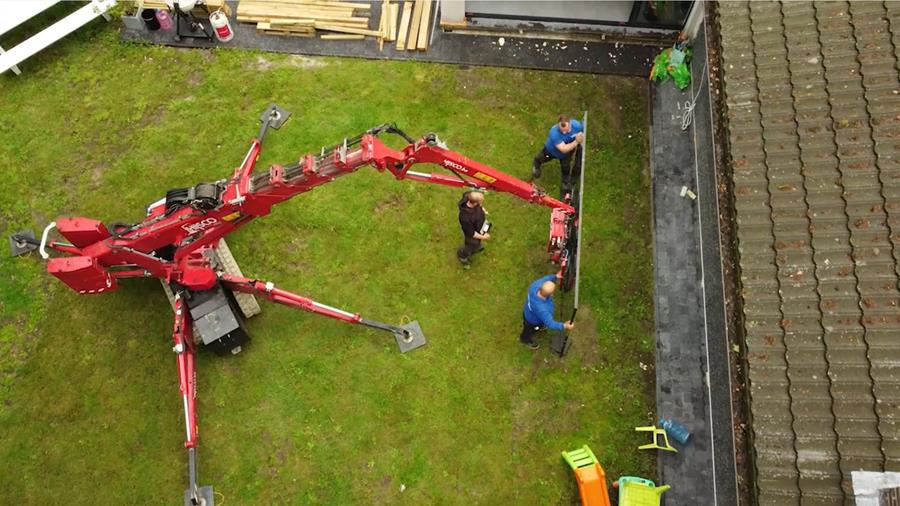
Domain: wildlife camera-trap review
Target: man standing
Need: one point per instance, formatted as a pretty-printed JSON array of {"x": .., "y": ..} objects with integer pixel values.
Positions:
[
  {"x": 538, "y": 311},
  {"x": 563, "y": 141},
  {"x": 472, "y": 222}
]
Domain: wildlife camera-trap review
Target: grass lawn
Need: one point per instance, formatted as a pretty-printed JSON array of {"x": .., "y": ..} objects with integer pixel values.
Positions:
[{"x": 316, "y": 411}]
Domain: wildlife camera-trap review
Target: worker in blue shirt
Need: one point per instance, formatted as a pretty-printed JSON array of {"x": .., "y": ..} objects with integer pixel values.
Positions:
[
  {"x": 538, "y": 311},
  {"x": 563, "y": 143}
]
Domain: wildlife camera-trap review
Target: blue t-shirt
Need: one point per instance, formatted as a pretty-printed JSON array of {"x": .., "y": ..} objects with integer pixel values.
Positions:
[
  {"x": 538, "y": 311},
  {"x": 556, "y": 137}
]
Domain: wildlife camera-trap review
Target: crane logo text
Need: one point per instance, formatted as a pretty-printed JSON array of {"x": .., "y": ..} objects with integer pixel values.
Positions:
[
  {"x": 454, "y": 165},
  {"x": 193, "y": 228}
]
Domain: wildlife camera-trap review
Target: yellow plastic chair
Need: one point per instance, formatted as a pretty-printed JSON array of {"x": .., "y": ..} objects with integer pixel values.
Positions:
[
  {"x": 634, "y": 491},
  {"x": 657, "y": 432}
]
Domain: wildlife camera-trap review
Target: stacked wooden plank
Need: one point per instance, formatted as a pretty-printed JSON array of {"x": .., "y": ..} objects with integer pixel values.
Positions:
[
  {"x": 406, "y": 22},
  {"x": 303, "y": 18},
  {"x": 415, "y": 25},
  {"x": 388, "y": 24}
]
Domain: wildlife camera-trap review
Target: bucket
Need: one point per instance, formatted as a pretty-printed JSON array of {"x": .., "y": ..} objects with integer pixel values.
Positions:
[
  {"x": 219, "y": 22},
  {"x": 149, "y": 17}
]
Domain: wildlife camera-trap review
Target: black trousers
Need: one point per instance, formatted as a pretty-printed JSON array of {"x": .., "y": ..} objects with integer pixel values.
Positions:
[
  {"x": 469, "y": 248},
  {"x": 565, "y": 165},
  {"x": 528, "y": 331}
]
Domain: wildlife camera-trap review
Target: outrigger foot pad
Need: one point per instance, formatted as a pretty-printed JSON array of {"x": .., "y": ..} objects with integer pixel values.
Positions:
[
  {"x": 23, "y": 242},
  {"x": 411, "y": 339},
  {"x": 275, "y": 116},
  {"x": 205, "y": 496}
]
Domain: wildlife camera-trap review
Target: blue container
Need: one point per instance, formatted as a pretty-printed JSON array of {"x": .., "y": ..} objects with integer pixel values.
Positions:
[{"x": 675, "y": 430}]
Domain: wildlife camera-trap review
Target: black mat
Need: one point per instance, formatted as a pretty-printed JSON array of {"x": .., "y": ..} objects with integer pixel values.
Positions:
[
  {"x": 692, "y": 371},
  {"x": 598, "y": 57}
]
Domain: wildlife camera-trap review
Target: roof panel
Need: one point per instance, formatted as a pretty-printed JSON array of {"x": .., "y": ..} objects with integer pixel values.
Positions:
[{"x": 824, "y": 197}]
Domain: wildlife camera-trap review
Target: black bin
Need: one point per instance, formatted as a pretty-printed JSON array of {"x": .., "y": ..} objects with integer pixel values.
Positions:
[{"x": 149, "y": 17}]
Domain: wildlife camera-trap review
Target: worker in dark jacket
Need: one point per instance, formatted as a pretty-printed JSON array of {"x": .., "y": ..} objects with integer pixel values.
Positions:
[
  {"x": 563, "y": 143},
  {"x": 538, "y": 311},
  {"x": 472, "y": 221}
]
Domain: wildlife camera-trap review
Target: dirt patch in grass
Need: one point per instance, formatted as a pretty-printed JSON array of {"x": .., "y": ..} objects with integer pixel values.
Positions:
[
  {"x": 295, "y": 61},
  {"x": 614, "y": 118},
  {"x": 97, "y": 175},
  {"x": 195, "y": 78},
  {"x": 470, "y": 80},
  {"x": 155, "y": 116},
  {"x": 393, "y": 201},
  {"x": 544, "y": 416},
  {"x": 585, "y": 340}
]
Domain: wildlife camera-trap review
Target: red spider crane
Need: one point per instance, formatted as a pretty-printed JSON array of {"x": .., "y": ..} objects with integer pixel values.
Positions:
[{"x": 177, "y": 239}]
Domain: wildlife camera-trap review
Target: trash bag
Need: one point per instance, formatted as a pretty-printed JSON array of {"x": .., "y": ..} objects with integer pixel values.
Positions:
[
  {"x": 682, "y": 76},
  {"x": 659, "y": 72},
  {"x": 673, "y": 63}
]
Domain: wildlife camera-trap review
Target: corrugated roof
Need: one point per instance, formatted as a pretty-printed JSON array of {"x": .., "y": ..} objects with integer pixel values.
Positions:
[{"x": 813, "y": 107}]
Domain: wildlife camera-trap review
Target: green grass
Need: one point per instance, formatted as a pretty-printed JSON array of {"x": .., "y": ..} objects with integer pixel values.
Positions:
[{"x": 315, "y": 411}]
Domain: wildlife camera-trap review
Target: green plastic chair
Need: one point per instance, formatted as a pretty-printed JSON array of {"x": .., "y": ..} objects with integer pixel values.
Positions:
[{"x": 634, "y": 491}]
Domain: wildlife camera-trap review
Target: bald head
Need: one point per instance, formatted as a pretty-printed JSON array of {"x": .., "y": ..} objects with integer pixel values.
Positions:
[
  {"x": 476, "y": 197},
  {"x": 547, "y": 288}
]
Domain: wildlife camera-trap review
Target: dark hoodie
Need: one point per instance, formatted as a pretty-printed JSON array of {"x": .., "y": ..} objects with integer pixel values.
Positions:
[{"x": 471, "y": 219}]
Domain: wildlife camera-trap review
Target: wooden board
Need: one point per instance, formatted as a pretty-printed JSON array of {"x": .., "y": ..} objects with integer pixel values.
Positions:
[
  {"x": 346, "y": 29},
  {"x": 293, "y": 21},
  {"x": 392, "y": 27},
  {"x": 292, "y": 13},
  {"x": 325, "y": 6},
  {"x": 289, "y": 19},
  {"x": 298, "y": 22},
  {"x": 404, "y": 25},
  {"x": 414, "y": 24},
  {"x": 285, "y": 28},
  {"x": 306, "y": 35},
  {"x": 422, "y": 43},
  {"x": 286, "y": 10},
  {"x": 341, "y": 36},
  {"x": 319, "y": 3}
]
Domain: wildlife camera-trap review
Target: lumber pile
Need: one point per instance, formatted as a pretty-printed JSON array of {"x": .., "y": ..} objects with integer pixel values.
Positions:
[
  {"x": 405, "y": 22},
  {"x": 303, "y": 18}
]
